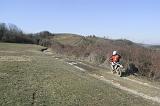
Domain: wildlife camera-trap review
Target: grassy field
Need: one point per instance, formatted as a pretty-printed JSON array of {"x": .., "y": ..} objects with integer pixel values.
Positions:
[{"x": 37, "y": 79}]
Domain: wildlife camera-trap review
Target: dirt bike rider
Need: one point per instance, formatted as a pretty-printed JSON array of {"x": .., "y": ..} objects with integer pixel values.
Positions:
[{"x": 114, "y": 59}]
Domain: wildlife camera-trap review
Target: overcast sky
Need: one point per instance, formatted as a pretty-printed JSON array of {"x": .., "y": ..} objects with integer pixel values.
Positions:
[{"x": 137, "y": 20}]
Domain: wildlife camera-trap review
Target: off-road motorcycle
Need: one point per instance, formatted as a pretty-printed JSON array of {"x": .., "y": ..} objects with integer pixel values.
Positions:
[{"x": 118, "y": 68}]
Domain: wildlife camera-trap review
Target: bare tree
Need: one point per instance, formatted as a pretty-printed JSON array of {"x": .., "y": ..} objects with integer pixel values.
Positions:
[{"x": 3, "y": 29}]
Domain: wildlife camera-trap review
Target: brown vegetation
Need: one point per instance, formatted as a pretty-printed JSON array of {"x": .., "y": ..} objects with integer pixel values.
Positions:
[{"x": 98, "y": 50}]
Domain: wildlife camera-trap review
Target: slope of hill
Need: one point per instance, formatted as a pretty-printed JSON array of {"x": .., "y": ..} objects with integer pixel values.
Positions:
[
  {"x": 98, "y": 50},
  {"x": 30, "y": 77}
]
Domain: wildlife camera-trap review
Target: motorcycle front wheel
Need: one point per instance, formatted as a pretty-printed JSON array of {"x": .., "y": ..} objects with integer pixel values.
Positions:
[{"x": 119, "y": 71}]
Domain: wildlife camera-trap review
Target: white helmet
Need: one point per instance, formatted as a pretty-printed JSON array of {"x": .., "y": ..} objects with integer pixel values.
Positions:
[{"x": 114, "y": 52}]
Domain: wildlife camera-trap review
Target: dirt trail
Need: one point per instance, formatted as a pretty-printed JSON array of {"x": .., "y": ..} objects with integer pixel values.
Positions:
[
  {"x": 132, "y": 86},
  {"x": 142, "y": 88}
]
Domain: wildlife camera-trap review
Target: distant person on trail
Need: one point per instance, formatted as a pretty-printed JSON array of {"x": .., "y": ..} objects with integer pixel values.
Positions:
[{"x": 114, "y": 59}]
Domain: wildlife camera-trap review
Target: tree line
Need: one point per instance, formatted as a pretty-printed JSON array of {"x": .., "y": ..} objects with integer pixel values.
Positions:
[{"x": 12, "y": 34}]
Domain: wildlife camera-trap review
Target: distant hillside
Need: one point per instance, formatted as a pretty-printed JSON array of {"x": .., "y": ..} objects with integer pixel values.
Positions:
[
  {"x": 66, "y": 34},
  {"x": 66, "y": 38},
  {"x": 155, "y": 47}
]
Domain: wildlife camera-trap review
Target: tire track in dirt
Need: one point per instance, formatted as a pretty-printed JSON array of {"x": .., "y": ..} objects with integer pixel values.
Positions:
[
  {"x": 119, "y": 86},
  {"x": 126, "y": 78}
]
